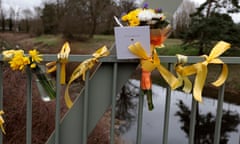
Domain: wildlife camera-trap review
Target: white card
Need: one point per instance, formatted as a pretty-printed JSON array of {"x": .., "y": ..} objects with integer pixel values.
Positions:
[{"x": 125, "y": 36}]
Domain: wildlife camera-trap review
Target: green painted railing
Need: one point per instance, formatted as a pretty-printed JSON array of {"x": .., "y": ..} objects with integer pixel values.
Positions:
[{"x": 99, "y": 93}]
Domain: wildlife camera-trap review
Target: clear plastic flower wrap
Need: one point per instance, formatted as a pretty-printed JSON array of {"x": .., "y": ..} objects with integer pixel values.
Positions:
[{"x": 19, "y": 61}]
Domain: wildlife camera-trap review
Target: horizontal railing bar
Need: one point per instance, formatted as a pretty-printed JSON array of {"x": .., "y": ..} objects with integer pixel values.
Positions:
[
  {"x": 164, "y": 59},
  {"x": 113, "y": 58}
]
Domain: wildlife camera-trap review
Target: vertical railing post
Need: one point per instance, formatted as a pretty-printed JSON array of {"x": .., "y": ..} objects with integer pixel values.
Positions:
[
  {"x": 192, "y": 121},
  {"x": 29, "y": 107},
  {"x": 85, "y": 109},
  {"x": 167, "y": 110},
  {"x": 140, "y": 117},
  {"x": 114, "y": 93},
  {"x": 217, "y": 131},
  {"x": 1, "y": 95},
  {"x": 58, "y": 106}
]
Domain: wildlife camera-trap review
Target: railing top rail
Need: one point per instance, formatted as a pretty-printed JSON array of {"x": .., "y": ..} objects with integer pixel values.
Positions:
[{"x": 113, "y": 58}]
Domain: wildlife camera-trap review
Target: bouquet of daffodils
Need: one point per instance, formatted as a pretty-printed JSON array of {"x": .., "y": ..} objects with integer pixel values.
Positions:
[
  {"x": 160, "y": 27},
  {"x": 19, "y": 61}
]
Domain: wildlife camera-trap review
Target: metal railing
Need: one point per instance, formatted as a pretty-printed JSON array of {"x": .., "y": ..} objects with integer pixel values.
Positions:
[{"x": 115, "y": 66}]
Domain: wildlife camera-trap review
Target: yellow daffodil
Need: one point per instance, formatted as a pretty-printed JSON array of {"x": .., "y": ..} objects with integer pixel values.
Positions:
[
  {"x": 132, "y": 17},
  {"x": 35, "y": 56},
  {"x": 146, "y": 16},
  {"x": 33, "y": 65},
  {"x": 8, "y": 54},
  {"x": 2, "y": 121},
  {"x": 19, "y": 61}
]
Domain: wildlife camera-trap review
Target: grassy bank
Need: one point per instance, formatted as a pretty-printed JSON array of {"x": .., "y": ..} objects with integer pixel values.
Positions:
[{"x": 77, "y": 47}]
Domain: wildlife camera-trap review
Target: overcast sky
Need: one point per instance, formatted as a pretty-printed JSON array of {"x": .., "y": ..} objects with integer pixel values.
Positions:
[
  {"x": 23, "y": 4},
  {"x": 30, "y": 4},
  {"x": 199, "y": 1}
]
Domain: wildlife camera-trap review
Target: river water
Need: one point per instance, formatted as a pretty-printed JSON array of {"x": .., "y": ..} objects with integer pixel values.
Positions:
[{"x": 153, "y": 121}]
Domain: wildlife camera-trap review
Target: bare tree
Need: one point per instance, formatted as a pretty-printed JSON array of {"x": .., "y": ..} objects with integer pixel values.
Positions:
[
  {"x": 3, "y": 16},
  {"x": 12, "y": 15},
  {"x": 49, "y": 18},
  {"x": 27, "y": 13},
  {"x": 81, "y": 18},
  {"x": 182, "y": 17},
  {"x": 16, "y": 21},
  {"x": 96, "y": 9},
  {"x": 73, "y": 22},
  {"x": 126, "y": 5},
  {"x": 36, "y": 23}
]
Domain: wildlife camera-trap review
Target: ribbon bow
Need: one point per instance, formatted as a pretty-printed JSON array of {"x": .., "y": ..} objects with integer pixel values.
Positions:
[
  {"x": 63, "y": 58},
  {"x": 2, "y": 121},
  {"x": 200, "y": 69},
  {"x": 151, "y": 63},
  {"x": 183, "y": 80},
  {"x": 82, "y": 69},
  {"x": 148, "y": 64}
]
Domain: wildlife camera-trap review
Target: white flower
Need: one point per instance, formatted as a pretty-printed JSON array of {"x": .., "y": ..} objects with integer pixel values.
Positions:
[
  {"x": 158, "y": 16},
  {"x": 146, "y": 15}
]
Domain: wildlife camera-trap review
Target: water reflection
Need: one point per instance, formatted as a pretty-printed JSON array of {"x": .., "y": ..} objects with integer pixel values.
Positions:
[
  {"x": 205, "y": 124},
  {"x": 153, "y": 121},
  {"x": 126, "y": 107}
]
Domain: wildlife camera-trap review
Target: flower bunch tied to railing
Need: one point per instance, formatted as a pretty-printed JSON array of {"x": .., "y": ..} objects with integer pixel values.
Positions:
[
  {"x": 20, "y": 61},
  {"x": 160, "y": 29}
]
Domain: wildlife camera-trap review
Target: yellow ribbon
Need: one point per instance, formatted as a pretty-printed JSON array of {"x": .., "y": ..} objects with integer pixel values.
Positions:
[
  {"x": 201, "y": 70},
  {"x": 63, "y": 59},
  {"x": 183, "y": 80},
  {"x": 2, "y": 121},
  {"x": 151, "y": 63},
  {"x": 82, "y": 69}
]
